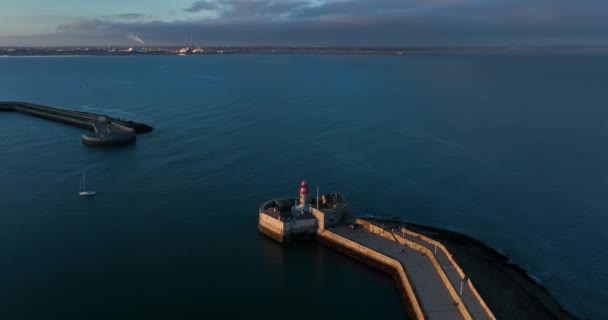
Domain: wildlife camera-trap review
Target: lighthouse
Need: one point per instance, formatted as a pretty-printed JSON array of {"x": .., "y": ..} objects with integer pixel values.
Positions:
[
  {"x": 287, "y": 219},
  {"x": 304, "y": 206},
  {"x": 303, "y": 193}
]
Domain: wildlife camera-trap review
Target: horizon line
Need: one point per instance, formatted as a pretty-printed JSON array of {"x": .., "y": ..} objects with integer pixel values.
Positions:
[{"x": 395, "y": 47}]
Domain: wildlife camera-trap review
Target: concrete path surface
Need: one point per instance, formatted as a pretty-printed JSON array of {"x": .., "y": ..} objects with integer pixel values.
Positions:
[
  {"x": 471, "y": 302},
  {"x": 433, "y": 296}
]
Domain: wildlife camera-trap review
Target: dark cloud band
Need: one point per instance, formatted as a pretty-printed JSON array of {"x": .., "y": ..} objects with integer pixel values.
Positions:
[{"x": 363, "y": 22}]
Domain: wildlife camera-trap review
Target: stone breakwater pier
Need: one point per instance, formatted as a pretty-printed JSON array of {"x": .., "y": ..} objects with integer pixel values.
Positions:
[
  {"x": 432, "y": 284},
  {"x": 106, "y": 130}
]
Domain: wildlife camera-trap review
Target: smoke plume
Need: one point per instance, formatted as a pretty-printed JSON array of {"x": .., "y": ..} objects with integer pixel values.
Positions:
[{"x": 135, "y": 38}]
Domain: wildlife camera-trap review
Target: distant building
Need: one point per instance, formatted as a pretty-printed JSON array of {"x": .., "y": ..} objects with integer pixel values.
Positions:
[{"x": 189, "y": 48}]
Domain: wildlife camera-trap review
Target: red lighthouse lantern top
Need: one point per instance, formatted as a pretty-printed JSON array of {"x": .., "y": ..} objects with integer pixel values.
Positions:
[{"x": 303, "y": 187}]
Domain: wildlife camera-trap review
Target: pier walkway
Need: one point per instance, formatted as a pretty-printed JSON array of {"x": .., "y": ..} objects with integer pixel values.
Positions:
[
  {"x": 475, "y": 305},
  {"x": 434, "y": 298},
  {"x": 431, "y": 283}
]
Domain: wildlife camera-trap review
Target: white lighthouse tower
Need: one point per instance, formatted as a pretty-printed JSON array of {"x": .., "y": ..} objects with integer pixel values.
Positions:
[
  {"x": 303, "y": 206},
  {"x": 303, "y": 193}
]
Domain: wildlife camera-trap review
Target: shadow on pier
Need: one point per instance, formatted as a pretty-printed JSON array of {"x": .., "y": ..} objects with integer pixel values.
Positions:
[{"x": 106, "y": 130}]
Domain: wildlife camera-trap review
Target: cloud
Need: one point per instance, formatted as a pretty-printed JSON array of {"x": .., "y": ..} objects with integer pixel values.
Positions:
[
  {"x": 204, "y": 5},
  {"x": 131, "y": 16},
  {"x": 250, "y": 8},
  {"x": 89, "y": 24},
  {"x": 362, "y": 23}
]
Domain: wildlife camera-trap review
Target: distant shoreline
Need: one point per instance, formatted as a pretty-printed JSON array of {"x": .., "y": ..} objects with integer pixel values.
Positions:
[
  {"x": 508, "y": 289},
  {"x": 173, "y": 50}
]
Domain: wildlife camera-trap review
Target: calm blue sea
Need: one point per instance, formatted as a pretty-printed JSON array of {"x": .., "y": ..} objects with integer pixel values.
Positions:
[{"x": 511, "y": 149}]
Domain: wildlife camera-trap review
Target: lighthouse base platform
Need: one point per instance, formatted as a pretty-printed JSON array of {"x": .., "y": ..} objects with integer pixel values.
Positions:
[{"x": 279, "y": 219}]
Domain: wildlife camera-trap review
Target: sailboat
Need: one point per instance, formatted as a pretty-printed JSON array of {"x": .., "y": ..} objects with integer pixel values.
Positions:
[{"x": 83, "y": 188}]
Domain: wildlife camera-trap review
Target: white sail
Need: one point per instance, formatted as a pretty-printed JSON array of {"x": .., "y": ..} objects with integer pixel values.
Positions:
[{"x": 83, "y": 190}]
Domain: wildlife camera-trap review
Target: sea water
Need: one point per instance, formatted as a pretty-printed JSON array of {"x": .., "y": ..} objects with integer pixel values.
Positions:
[{"x": 508, "y": 148}]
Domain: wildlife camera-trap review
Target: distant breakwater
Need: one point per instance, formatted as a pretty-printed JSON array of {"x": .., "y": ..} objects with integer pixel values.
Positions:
[{"x": 106, "y": 130}]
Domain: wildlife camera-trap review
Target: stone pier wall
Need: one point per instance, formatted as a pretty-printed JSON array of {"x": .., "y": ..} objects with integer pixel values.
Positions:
[
  {"x": 380, "y": 261},
  {"x": 456, "y": 266},
  {"x": 422, "y": 249}
]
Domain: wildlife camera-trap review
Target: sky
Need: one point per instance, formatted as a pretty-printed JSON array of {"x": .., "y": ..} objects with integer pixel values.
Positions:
[{"x": 390, "y": 23}]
